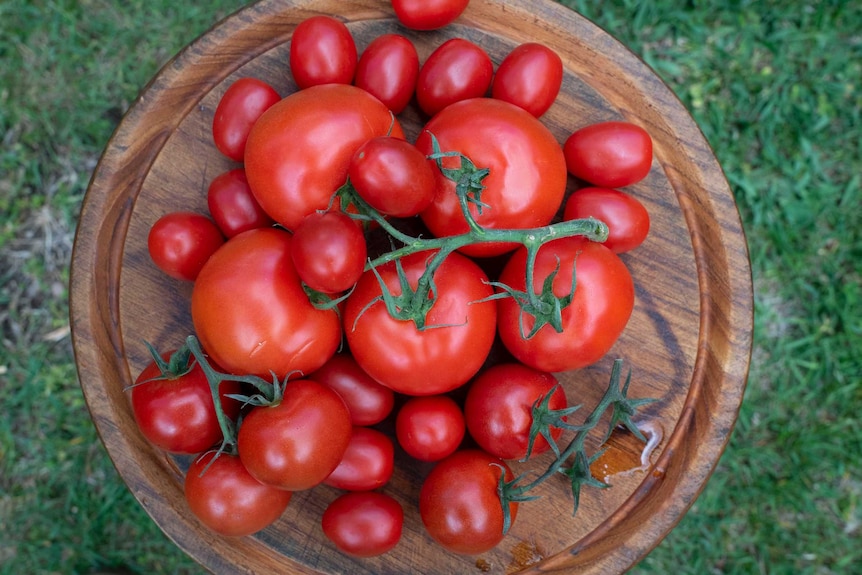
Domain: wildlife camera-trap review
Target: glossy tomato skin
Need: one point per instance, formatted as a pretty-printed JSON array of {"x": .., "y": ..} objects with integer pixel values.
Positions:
[
  {"x": 527, "y": 177},
  {"x": 329, "y": 251},
  {"x": 322, "y": 51},
  {"x": 297, "y": 442},
  {"x": 592, "y": 323},
  {"x": 368, "y": 401},
  {"x": 228, "y": 500},
  {"x": 430, "y": 428},
  {"x": 180, "y": 243},
  {"x": 238, "y": 109},
  {"x": 499, "y": 405},
  {"x": 251, "y": 313},
  {"x": 459, "y": 504},
  {"x": 529, "y": 77},
  {"x": 428, "y": 14},
  {"x": 438, "y": 359},
  {"x": 388, "y": 69},
  {"x": 627, "y": 219},
  {"x": 367, "y": 463},
  {"x": 457, "y": 70},
  {"x": 364, "y": 524},
  {"x": 232, "y": 205},
  {"x": 299, "y": 150},
  {"x": 609, "y": 154}
]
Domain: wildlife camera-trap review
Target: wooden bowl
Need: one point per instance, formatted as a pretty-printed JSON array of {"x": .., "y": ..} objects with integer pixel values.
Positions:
[{"x": 688, "y": 342}]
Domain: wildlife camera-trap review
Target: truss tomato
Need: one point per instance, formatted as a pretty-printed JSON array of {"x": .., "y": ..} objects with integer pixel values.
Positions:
[
  {"x": 627, "y": 219},
  {"x": 322, "y": 51},
  {"x": 388, "y": 69},
  {"x": 456, "y": 70},
  {"x": 238, "y": 109},
  {"x": 329, "y": 251},
  {"x": 609, "y": 154},
  {"x": 364, "y": 524},
  {"x": 529, "y": 77}
]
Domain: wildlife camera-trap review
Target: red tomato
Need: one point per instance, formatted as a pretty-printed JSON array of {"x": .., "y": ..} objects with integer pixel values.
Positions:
[
  {"x": 363, "y": 524},
  {"x": 387, "y": 69},
  {"x": 367, "y": 464},
  {"x": 499, "y": 409},
  {"x": 180, "y": 243},
  {"x": 329, "y": 251},
  {"x": 238, "y": 109},
  {"x": 527, "y": 177},
  {"x": 457, "y": 70},
  {"x": 296, "y": 443},
  {"x": 529, "y": 77},
  {"x": 393, "y": 176},
  {"x": 609, "y": 154},
  {"x": 232, "y": 205},
  {"x": 368, "y": 401},
  {"x": 228, "y": 500},
  {"x": 428, "y": 14},
  {"x": 299, "y": 151},
  {"x": 627, "y": 219},
  {"x": 433, "y": 360},
  {"x": 459, "y": 504},
  {"x": 430, "y": 428},
  {"x": 251, "y": 313},
  {"x": 597, "y": 315},
  {"x": 322, "y": 51}
]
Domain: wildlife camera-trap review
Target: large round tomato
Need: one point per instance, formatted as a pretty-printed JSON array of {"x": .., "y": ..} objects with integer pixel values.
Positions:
[
  {"x": 529, "y": 77},
  {"x": 448, "y": 352},
  {"x": 627, "y": 219},
  {"x": 251, "y": 313},
  {"x": 322, "y": 51},
  {"x": 299, "y": 150},
  {"x": 609, "y": 154},
  {"x": 363, "y": 524},
  {"x": 527, "y": 178},
  {"x": 388, "y": 69},
  {"x": 368, "y": 401}
]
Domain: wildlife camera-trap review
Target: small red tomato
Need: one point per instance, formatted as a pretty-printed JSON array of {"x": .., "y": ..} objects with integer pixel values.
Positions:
[
  {"x": 364, "y": 524},
  {"x": 627, "y": 219},
  {"x": 609, "y": 154},
  {"x": 180, "y": 243},
  {"x": 529, "y": 77},
  {"x": 428, "y": 14},
  {"x": 232, "y": 205},
  {"x": 329, "y": 251},
  {"x": 322, "y": 51},
  {"x": 387, "y": 69},
  {"x": 368, "y": 401},
  {"x": 457, "y": 70},
  {"x": 239, "y": 108},
  {"x": 367, "y": 464},
  {"x": 430, "y": 428}
]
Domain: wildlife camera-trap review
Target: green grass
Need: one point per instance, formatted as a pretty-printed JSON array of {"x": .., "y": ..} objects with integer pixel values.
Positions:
[{"x": 774, "y": 85}]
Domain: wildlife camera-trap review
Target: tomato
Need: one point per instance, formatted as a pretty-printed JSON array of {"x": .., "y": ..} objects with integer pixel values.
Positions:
[
  {"x": 297, "y": 442},
  {"x": 529, "y": 77},
  {"x": 627, "y": 219},
  {"x": 599, "y": 311},
  {"x": 499, "y": 409},
  {"x": 232, "y": 205},
  {"x": 367, "y": 464},
  {"x": 457, "y": 70},
  {"x": 387, "y": 69},
  {"x": 363, "y": 524},
  {"x": 527, "y": 177},
  {"x": 368, "y": 401},
  {"x": 393, "y": 176},
  {"x": 180, "y": 243},
  {"x": 322, "y": 51},
  {"x": 251, "y": 314},
  {"x": 459, "y": 504},
  {"x": 428, "y": 14},
  {"x": 238, "y": 109},
  {"x": 430, "y": 428},
  {"x": 609, "y": 154},
  {"x": 299, "y": 151},
  {"x": 430, "y": 361},
  {"x": 228, "y": 500},
  {"x": 328, "y": 251}
]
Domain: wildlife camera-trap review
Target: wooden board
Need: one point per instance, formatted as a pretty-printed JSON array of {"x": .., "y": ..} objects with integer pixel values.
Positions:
[{"x": 688, "y": 342}]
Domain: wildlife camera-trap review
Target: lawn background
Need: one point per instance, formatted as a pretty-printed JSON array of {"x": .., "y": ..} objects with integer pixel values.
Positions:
[{"x": 775, "y": 86}]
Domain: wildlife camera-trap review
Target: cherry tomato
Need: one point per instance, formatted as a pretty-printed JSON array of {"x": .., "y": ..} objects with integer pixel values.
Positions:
[
  {"x": 238, "y": 109},
  {"x": 609, "y": 154},
  {"x": 232, "y": 205},
  {"x": 529, "y": 77},
  {"x": 322, "y": 51},
  {"x": 459, "y": 504},
  {"x": 428, "y": 14},
  {"x": 368, "y": 401},
  {"x": 387, "y": 69},
  {"x": 328, "y": 251},
  {"x": 457, "y": 70},
  {"x": 367, "y": 464},
  {"x": 180, "y": 243},
  {"x": 430, "y": 428},
  {"x": 364, "y": 524},
  {"x": 393, "y": 176},
  {"x": 627, "y": 219},
  {"x": 228, "y": 500}
]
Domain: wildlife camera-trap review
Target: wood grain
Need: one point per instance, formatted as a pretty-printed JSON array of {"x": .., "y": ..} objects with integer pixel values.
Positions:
[{"x": 688, "y": 342}]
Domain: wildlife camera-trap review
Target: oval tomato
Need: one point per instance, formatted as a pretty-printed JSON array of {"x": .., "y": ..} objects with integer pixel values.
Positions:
[
  {"x": 529, "y": 77},
  {"x": 609, "y": 154},
  {"x": 238, "y": 109},
  {"x": 363, "y": 524},
  {"x": 329, "y": 251},
  {"x": 428, "y": 14},
  {"x": 457, "y": 70},
  {"x": 180, "y": 243},
  {"x": 627, "y": 219},
  {"x": 232, "y": 205},
  {"x": 387, "y": 69},
  {"x": 430, "y": 428},
  {"x": 322, "y": 51},
  {"x": 367, "y": 463},
  {"x": 368, "y": 401}
]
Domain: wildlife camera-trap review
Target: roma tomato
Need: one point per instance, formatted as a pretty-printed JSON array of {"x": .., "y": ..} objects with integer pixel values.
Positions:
[
  {"x": 180, "y": 243},
  {"x": 363, "y": 524},
  {"x": 430, "y": 428},
  {"x": 459, "y": 504},
  {"x": 297, "y": 442},
  {"x": 434, "y": 360},
  {"x": 387, "y": 69},
  {"x": 322, "y": 51},
  {"x": 529, "y": 77},
  {"x": 238, "y": 109},
  {"x": 457, "y": 70},
  {"x": 627, "y": 219},
  {"x": 609, "y": 154},
  {"x": 329, "y": 251},
  {"x": 368, "y": 401},
  {"x": 527, "y": 178},
  {"x": 600, "y": 309},
  {"x": 232, "y": 205},
  {"x": 367, "y": 463},
  {"x": 428, "y": 14},
  {"x": 228, "y": 500},
  {"x": 299, "y": 151},
  {"x": 251, "y": 313}
]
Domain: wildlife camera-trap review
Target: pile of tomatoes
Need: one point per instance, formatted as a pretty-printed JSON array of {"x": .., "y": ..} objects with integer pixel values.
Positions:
[{"x": 283, "y": 386}]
